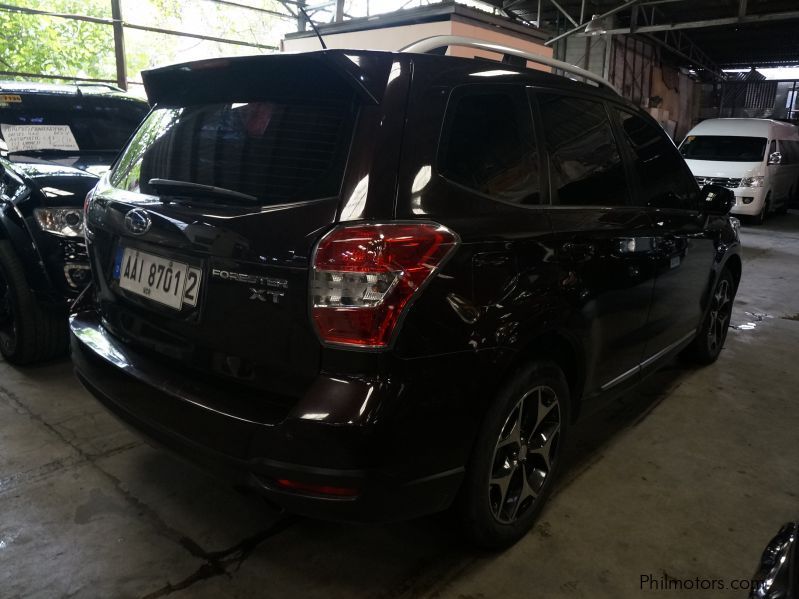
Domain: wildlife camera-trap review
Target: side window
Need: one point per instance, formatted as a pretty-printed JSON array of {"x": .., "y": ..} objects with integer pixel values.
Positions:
[
  {"x": 790, "y": 151},
  {"x": 585, "y": 167},
  {"x": 664, "y": 179},
  {"x": 488, "y": 145},
  {"x": 772, "y": 147}
]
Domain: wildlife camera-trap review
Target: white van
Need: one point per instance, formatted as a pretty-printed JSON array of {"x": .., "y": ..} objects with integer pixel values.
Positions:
[{"x": 757, "y": 158}]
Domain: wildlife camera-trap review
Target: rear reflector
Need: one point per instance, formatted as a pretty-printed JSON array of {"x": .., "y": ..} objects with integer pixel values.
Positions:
[
  {"x": 364, "y": 276},
  {"x": 294, "y": 485}
]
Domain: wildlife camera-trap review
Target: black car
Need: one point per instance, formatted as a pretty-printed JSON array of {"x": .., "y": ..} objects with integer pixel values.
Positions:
[
  {"x": 378, "y": 285},
  {"x": 777, "y": 575},
  {"x": 55, "y": 142}
]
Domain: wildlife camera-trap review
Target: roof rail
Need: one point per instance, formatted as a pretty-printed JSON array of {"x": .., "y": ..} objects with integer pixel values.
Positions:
[{"x": 438, "y": 41}]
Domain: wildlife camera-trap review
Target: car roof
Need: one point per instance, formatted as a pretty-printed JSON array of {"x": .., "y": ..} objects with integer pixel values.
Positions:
[
  {"x": 62, "y": 89},
  {"x": 455, "y": 66},
  {"x": 740, "y": 126}
]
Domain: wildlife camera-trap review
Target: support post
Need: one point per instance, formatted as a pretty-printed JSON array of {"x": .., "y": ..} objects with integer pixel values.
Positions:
[
  {"x": 608, "y": 56},
  {"x": 119, "y": 44},
  {"x": 301, "y": 20},
  {"x": 339, "y": 11}
]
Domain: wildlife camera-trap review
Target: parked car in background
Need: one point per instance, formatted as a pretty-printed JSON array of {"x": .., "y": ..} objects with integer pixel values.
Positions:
[
  {"x": 777, "y": 575},
  {"x": 757, "y": 158},
  {"x": 55, "y": 142},
  {"x": 377, "y": 285}
]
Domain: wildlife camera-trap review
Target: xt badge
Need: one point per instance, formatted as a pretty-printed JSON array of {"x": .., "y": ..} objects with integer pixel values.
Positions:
[
  {"x": 261, "y": 295},
  {"x": 267, "y": 289}
]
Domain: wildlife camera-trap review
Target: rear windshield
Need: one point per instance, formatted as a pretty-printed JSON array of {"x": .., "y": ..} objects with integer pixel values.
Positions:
[
  {"x": 87, "y": 123},
  {"x": 277, "y": 152},
  {"x": 725, "y": 148}
]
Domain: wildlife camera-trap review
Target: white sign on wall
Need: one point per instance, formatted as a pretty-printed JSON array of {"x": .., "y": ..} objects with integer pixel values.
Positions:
[{"x": 19, "y": 138}]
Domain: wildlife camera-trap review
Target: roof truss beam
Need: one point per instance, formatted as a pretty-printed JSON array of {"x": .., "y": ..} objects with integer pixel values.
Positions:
[{"x": 762, "y": 18}]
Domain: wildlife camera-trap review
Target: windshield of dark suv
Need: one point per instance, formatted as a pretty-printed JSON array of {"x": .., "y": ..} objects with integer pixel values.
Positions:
[
  {"x": 268, "y": 151},
  {"x": 724, "y": 148},
  {"x": 71, "y": 122}
]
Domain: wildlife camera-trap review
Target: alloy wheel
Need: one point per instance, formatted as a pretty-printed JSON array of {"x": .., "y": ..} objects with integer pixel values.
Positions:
[
  {"x": 524, "y": 454},
  {"x": 720, "y": 313}
]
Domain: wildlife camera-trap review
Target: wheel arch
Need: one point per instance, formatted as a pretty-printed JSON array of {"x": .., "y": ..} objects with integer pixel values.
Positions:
[
  {"x": 15, "y": 232},
  {"x": 735, "y": 266},
  {"x": 562, "y": 349}
]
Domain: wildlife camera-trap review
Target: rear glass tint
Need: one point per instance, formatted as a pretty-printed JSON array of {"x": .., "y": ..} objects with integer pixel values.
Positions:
[{"x": 275, "y": 151}]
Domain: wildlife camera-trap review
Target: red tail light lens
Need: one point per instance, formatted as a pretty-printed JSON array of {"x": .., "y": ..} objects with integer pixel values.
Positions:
[
  {"x": 301, "y": 487},
  {"x": 365, "y": 275}
]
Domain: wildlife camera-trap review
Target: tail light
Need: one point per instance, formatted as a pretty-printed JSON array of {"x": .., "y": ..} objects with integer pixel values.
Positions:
[{"x": 364, "y": 277}]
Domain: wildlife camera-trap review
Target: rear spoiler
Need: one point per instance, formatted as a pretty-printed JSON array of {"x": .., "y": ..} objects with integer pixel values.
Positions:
[{"x": 325, "y": 74}]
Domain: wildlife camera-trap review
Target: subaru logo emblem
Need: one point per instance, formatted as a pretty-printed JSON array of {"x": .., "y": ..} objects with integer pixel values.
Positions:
[{"x": 137, "y": 221}]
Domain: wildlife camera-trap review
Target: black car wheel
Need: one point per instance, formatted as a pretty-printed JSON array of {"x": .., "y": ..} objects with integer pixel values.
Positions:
[
  {"x": 760, "y": 218},
  {"x": 516, "y": 456},
  {"x": 29, "y": 332},
  {"x": 707, "y": 345},
  {"x": 783, "y": 209}
]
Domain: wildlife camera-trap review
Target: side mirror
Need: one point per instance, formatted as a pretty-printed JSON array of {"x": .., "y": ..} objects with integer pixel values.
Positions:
[
  {"x": 775, "y": 158},
  {"x": 717, "y": 200}
]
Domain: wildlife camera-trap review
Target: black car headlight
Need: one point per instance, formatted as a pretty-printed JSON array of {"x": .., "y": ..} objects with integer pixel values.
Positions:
[{"x": 64, "y": 222}]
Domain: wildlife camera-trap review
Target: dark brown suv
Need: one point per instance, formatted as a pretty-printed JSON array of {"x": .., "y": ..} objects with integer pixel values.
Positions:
[{"x": 377, "y": 285}]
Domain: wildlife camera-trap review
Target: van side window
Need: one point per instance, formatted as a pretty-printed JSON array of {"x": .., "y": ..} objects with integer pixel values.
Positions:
[
  {"x": 488, "y": 145},
  {"x": 785, "y": 149},
  {"x": 664, "y": 180},
  {"x": 789, "y": 150},
  {"x": 585, "y": 166},
  {"x": 772, "y": 148}
]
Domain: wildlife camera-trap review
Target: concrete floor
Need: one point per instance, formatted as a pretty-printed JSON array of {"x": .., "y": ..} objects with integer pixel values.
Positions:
[{"x": 688, "y": 477}]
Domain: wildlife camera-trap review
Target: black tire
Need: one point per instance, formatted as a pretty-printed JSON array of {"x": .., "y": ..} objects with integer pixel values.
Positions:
[
  {"x": 709, "y": 341},
  {"x": 759, "y": 219},
  {"x": 783, "y": 209},
  {"x": 29, "y": 332},
  {"x": 512, "y": 467}
]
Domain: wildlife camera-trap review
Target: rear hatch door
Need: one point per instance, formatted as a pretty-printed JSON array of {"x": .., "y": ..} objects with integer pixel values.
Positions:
[{"x": 203, "y": 231}]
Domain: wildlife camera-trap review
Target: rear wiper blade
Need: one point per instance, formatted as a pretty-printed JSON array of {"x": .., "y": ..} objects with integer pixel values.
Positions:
[{"x": 187, "y": 188}]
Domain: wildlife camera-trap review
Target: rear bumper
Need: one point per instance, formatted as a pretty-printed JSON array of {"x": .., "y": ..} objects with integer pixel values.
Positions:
[{"x": 256, "y": 443}]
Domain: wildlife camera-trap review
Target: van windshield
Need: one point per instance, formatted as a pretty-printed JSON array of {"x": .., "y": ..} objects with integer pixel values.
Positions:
[
  {"x": 273, "y": 151},
  {"x": 724, "y": 148}
]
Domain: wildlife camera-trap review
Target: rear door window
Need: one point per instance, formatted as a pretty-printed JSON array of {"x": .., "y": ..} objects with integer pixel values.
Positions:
[
  {"x": 488, "y": 145},
  {"x": 276, "y": 151},
  {"x": 585, "y": 166},
  {"x": 664, "y": 180}
]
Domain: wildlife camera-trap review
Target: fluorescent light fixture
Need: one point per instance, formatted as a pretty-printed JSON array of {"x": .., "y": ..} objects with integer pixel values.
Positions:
[{"x": 596, "y": 26}]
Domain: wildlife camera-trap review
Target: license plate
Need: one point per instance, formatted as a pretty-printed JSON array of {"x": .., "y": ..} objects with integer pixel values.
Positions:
[{"x": 162, "y": 280}]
